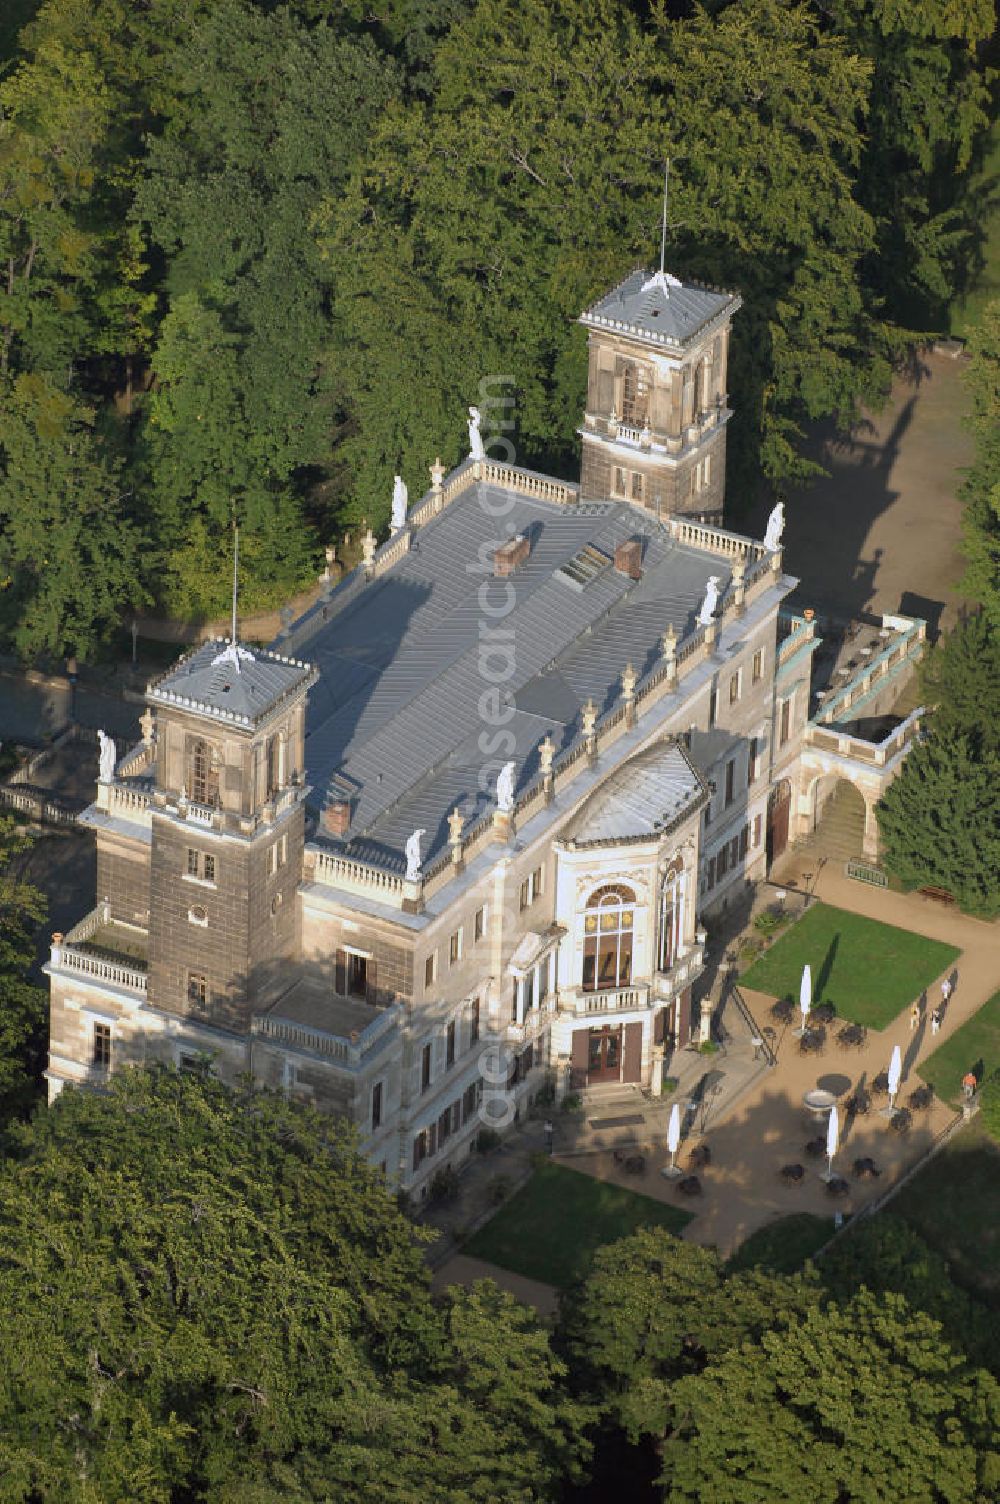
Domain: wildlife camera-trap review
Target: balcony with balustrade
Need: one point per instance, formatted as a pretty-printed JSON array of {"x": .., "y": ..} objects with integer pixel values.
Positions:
[{"x": 104, "y": 952}]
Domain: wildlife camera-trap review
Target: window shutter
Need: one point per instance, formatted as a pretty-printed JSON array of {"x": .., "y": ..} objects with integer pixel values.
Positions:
[
  {"x": 372, "y": 981},
  {"x": 416, "y": 1153},
  {"x": 340, "y": 973},
  {"x": 432, "y": 1139}
]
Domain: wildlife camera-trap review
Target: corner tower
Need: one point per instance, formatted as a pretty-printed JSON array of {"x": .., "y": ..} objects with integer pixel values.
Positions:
[
  {"x": 227, "y": 831},
  {"x": 654, "y": 432}
]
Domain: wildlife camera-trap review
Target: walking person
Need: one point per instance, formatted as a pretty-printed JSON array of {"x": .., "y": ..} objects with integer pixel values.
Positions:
[
  {"x": 969, "y": 1084},
  {"x": 914, "y": 1016},
  {"x": 947, "y": 988},
  {"x": 935, "y": 1020}
]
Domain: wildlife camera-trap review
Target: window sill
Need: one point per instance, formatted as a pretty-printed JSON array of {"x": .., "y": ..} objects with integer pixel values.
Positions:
[{"x": 199, "y": 882}]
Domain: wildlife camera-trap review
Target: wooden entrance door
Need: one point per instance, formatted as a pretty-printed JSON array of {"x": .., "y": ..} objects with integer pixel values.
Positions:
[
  {"x": 604, "y": 1060},
  {"x": 778, "y": 809}
]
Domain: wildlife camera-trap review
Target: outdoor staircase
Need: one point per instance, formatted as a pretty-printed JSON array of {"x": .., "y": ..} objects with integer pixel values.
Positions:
[{"x": 839, "y": 836}]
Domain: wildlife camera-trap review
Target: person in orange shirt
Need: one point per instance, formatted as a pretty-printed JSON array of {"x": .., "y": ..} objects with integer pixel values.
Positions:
[{"x": 969, "y": 1083}]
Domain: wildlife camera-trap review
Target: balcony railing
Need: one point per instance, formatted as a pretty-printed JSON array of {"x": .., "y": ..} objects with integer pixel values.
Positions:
[
  {"x": 873, "y": 754},
  {"x": 350, "y": 1050}
]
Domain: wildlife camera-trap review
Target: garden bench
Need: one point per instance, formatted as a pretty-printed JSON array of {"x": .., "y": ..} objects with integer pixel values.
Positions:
[{"x": 939, "y": 895}]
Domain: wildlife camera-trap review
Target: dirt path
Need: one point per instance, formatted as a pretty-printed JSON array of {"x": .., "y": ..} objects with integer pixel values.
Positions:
[
  {"x": 882, "y": 532},
  {"x": 462, "y": 1270}
]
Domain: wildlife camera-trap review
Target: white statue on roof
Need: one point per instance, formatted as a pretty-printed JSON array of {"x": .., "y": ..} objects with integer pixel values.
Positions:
[
  {"x": 413, "y": 856},
  {"x": 400, "y": 496},
  {"x": 476, "y": 450},
  {"x": 109, "y": 757},
  {"x": 710, "y": 602},
  {"x": 505, "y": 788},
  {"x": 775, "y": 528}
]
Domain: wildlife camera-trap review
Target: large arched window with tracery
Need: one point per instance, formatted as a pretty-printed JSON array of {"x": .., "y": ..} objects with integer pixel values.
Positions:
[
  {"x": 635, "y": 394},
  {"x": 203, "y": 775},
  {"x": 608, "y": 924}
]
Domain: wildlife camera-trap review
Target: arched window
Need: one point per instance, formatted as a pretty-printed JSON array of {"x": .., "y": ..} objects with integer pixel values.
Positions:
[
  {"x": 607, "y": 942},
  {"x": 635, "y": 394},
  {"x": 671, "y": 920},
  {"x": 204, "y": 778}
]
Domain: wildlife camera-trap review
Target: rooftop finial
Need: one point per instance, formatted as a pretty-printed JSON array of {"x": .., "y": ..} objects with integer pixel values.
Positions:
[{"x": 233, "y": 653}]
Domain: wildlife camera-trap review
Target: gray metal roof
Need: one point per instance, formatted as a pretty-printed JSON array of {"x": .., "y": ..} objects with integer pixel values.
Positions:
[
  {"x": 641, "y": 798},
  {"x": 398, "y": 720},
  {"x": 242, "y": 690},
  {"x": 658, "y": 310}
]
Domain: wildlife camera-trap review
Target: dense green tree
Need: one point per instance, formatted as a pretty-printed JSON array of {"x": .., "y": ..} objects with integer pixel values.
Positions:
[
  {"x": 849, "y": 1405},
  {"x": 69, "y": 559},
  {"x": 960, "y": 681},
  {"x": 209, "y": 1294},
  {"x": 940, "y": 821},
  {"x": 655, "y": 1308},
  {"x": 981, "y": 491},
  {"x": 269, "y": 115},
  {"x": 928, "y": 107},
  {"x": 886, "y": 1253},
  {"x": 481, "y": 223},
  {"x": 23, "y": 1006}
]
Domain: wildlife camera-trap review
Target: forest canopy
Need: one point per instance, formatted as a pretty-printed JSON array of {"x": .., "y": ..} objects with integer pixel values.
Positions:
[{"x": 257, "y": 257}]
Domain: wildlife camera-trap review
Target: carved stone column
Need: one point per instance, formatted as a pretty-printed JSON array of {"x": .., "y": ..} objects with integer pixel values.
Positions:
[
  {"x": 670, "y": 655},
  {"x": 546, "y": 753}
]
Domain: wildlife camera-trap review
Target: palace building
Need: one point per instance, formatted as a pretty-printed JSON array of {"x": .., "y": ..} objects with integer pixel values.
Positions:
[{"x": 465, "y": 823}]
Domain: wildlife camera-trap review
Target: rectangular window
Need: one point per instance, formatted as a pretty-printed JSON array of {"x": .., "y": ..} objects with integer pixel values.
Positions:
[
  {"x": 734, "y": 851},
  {"x": 444, "y": 1126},
  {"x": 197, "y": 989},
  {"x": 713, "y": 706},
  {"x": 419, "y": 1149},
  {"x": 752, "y": 762},
  {"x": 708, "y": 468},
  {"x": 474, "y": 1024},
  {"x": 619, "y": 481},
  {"x": 536, "y": 884},
  {"x": 708, "y": 812},
  {"x": 758, "y": 665},
  {"x": 430, "y": 969},
  {"x": 636, "y": 486},
  {"x": 744, "y": 840},
  {"x": 101, "y": 1058},
  {"x": 469, "y": 1102},
  {"x": 455, "y": 948},
  {"x": 730, "y": 782},
  {"x": 528, "y": 993},
  {"x": 786, "y": 719},
  {"x": 357, "y": 975},
  {"x": 425, "y": 1068},
  {"x": 208, "y": 870},
  {"x": 525, "y": 894},
  {"x": 449, "y": 1045},
  {"x": 543, "y": 979},
  {"x": 757, "y": 826},
  {"x": 721, "y": 863},
  {"x": 376, "y": 1105},
  {"x": 710, "y": 873},
  {"x": 479, "y": 925},
  {"x": 734, "y": 689},
  {"x": 192, "y": 863}
]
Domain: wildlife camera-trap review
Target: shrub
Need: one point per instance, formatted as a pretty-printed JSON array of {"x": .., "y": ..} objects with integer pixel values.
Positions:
[
  {"x": 487, "y": 1140},
  {"x": 668, "y": 1085},
  {"x": 500, "y": 1189},
  {"x": 444, "y": 1184},
  {"x": 769, "y": 921},
  {"x": 708, "y": 1047},
  {"x": 546, "y": 1093},
  {"x": 572, "y": 1102}
]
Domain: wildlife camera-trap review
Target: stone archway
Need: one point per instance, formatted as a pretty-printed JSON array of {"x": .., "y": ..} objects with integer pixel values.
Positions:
[{"x": 843, "y": 818}]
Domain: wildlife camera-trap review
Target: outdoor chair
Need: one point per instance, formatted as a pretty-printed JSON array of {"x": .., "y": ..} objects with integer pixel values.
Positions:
[
  {"x": 866, "y": 1169},
  {"x": 783, "y": 1010},
  {"x": 635, "y": 1164},
  {"x": 858, "y": 1104},
  {"x": 880, "y": 1085},
  {"x": 901, "y": 1120},
  {"x": 700, "y": 1156},
  {"x": 852, "y": 1037},
  {"x": 792, "y": 1174},
  {"x": 920, "y": 1099},
  {"x": 816, "y": 1148},
  {"x": 689, "y": 1186},
  {"x": 813, "y": 1042},
  {"x": 825, "y": 1013},
  {"x": 838, "y": 1186}
]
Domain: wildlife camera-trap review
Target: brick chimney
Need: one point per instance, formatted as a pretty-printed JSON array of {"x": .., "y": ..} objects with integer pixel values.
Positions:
[
  {"x": 337, "y": 818},
  {"x": 510, "y": 555},
  {"x": 628, "y": 558}
]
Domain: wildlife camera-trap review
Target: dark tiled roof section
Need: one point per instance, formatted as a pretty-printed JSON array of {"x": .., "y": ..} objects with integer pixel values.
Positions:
[
  {"x": 656, "y": 316},
  {"x": 239, "y": 695}
]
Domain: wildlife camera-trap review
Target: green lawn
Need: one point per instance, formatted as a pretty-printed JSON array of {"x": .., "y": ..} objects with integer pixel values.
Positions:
[
  {"x": 975, "y": 1046},
  {"x": 784, "y": 1245},
  {"x": 550, "y": 1229},
  {"x": 966, "y": 312},
  {"x": 869, "y": 971},
  {"x": 954, "y": 1203}
]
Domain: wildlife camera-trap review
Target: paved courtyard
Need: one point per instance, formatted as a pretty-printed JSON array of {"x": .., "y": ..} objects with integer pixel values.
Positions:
[{"x": 765, "y": 1126}]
